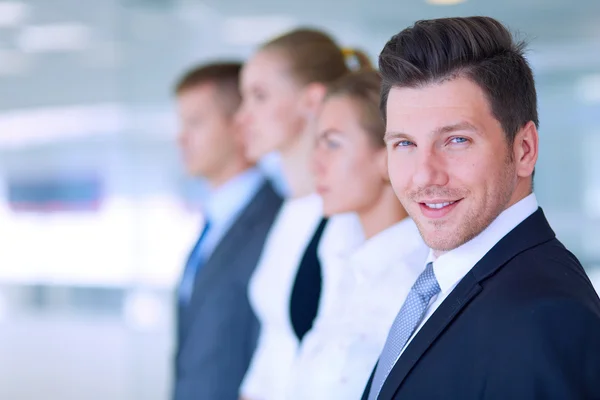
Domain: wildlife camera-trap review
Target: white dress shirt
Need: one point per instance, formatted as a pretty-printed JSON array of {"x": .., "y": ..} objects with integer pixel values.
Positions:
[
  {"x": 451, "y": 267},
  {"x": 362, "y": 299},
  {"x": 270, "y": 289}
]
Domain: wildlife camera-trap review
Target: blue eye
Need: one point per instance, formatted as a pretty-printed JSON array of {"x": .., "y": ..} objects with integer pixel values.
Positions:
[
  {"x": 332, "y": 144},
  {"x": 458, "y": 140},
  {"x": 404, "y": 143}
]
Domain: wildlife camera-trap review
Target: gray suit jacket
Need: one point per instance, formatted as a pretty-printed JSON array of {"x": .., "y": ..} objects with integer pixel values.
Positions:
[{"x": 217, "y": 331}]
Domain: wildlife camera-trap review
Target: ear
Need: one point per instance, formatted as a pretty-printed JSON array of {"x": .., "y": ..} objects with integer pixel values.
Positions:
[
  {"x": 312, "y": 98},
  {"x": 525, "y": 150}
]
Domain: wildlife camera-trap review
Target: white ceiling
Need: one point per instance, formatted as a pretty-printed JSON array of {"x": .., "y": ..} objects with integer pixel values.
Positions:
[
  {"x": 548, "y": 20},
  {"x": 131, "y": 50}
]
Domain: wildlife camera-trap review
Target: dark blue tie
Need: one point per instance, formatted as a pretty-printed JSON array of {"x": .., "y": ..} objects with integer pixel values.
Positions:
[{"x": 192, "y": 266}]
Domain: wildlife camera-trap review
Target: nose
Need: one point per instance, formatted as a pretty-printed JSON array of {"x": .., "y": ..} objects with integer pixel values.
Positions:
[{"x": 431, "y": 170}]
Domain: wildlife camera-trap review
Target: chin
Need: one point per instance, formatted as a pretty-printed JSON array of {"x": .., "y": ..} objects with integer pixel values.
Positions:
[
  {"x": 328, "y": 212},
  {"x": 255, "y": 153},
  {"x": 253, "y": 156},
  {"x": 441, "y": 244},
  {"x": 439, "y": 238},
  {"x": 193, "y": 172},
  {"x": 448, "y": 237},
  {"x": 330, "y": 209}
]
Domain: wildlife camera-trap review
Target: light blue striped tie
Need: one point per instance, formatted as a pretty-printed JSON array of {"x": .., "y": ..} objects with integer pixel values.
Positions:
[{"x": 410, "y": 316}]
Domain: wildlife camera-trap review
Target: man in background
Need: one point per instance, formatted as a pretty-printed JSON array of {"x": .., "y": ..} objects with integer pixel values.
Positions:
[{"x": 216, "y": 328}]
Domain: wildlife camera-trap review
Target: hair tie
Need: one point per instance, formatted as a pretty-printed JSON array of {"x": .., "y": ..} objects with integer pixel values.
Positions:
[
  {"x": 351, "y": 58},
  {"x": 348, "y": 51}
]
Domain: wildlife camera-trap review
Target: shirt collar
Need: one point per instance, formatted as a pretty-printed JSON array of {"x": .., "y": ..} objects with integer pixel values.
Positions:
[
  {"x": 400, "y": 243},
  {"x": 452, "y": 266},
  {"x": 224, "y": 202},
  {"x": 343, "y": 235}
]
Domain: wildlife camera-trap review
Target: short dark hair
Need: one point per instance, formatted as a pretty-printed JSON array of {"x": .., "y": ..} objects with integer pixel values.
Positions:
[
  {"x": 478, "y": 48},
  {"x": 224, "y": 75}
]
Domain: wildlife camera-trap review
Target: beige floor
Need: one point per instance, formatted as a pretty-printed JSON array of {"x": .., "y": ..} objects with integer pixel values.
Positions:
[
  {"x": 120, "y": 354},
  {"x": 82, "y": 357}
]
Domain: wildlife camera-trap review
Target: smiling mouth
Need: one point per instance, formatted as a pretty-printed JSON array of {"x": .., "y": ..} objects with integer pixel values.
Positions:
[
  {"x": 438, "y": 206},
  {"x": 436, "y": 209}
]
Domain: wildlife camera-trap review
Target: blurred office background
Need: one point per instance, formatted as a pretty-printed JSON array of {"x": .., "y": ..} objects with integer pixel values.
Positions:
[{"x": 96, "y": 215}]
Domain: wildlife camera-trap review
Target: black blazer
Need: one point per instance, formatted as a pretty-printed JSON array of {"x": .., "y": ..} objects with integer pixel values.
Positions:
[
  {"x": 218, "y": 331},
  {"x": 523, "y": 324}
]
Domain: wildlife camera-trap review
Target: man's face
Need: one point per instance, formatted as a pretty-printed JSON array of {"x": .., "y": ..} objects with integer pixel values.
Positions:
[
  {"x": 449, "y": 161},
  {"x": 207, "y": 137}
]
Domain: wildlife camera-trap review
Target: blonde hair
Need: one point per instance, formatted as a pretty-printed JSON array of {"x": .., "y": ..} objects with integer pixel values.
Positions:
[
  {"x": 363, "y": 87},
  {"x": 314, "y": 57}
]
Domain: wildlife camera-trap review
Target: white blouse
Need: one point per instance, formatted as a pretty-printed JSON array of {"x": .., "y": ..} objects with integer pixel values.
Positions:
[
  {"x": 369, "y": 285},
  {"x": 270, "y": 290}
]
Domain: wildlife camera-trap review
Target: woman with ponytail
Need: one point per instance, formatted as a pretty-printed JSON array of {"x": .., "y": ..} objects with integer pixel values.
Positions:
[
  {"x": 283, "y": 85},
  {"x": 337, "y": 356}
]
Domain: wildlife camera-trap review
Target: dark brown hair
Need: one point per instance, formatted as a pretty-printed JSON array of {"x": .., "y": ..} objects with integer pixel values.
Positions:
[
  {"x": 478, "y": 48},
  {"x": 225, "y": 76},
  {"x": 363, "y": 87},
  {"x": 313, "y": 56}
]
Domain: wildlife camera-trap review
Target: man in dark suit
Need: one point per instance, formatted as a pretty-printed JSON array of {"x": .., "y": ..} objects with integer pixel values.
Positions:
[
  {"x": 502, "y": 309},
  {"x": 217, "y": 330}
]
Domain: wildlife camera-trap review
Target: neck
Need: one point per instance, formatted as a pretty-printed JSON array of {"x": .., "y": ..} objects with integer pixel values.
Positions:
[
  {"x": 523, "y": 189},
  {"x": 387, "y": 212},
  {"x": 295, "y": 163},
  {"x": 231, "y": 170},
  {"x": 438, "y": 253}
]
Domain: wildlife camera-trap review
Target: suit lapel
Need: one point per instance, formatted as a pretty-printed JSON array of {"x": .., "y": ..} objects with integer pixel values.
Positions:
[
  {"x": 464, "y": 292},
  {"x": 532, "y": 232},
  {"x": 225, "y": 252},
  {"x": 365, "y": 395},
  {"x": 221, "y": 258},
  {"x": 229, "y": 247}
]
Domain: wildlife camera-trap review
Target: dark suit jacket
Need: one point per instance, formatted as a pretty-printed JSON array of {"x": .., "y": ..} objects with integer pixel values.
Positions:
[
  {"x": 217, "y": 331},
  {"x": 523, "y": 324}
]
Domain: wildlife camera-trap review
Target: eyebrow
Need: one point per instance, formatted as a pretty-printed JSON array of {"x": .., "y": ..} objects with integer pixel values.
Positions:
[{"x": 460, "y": 126}]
